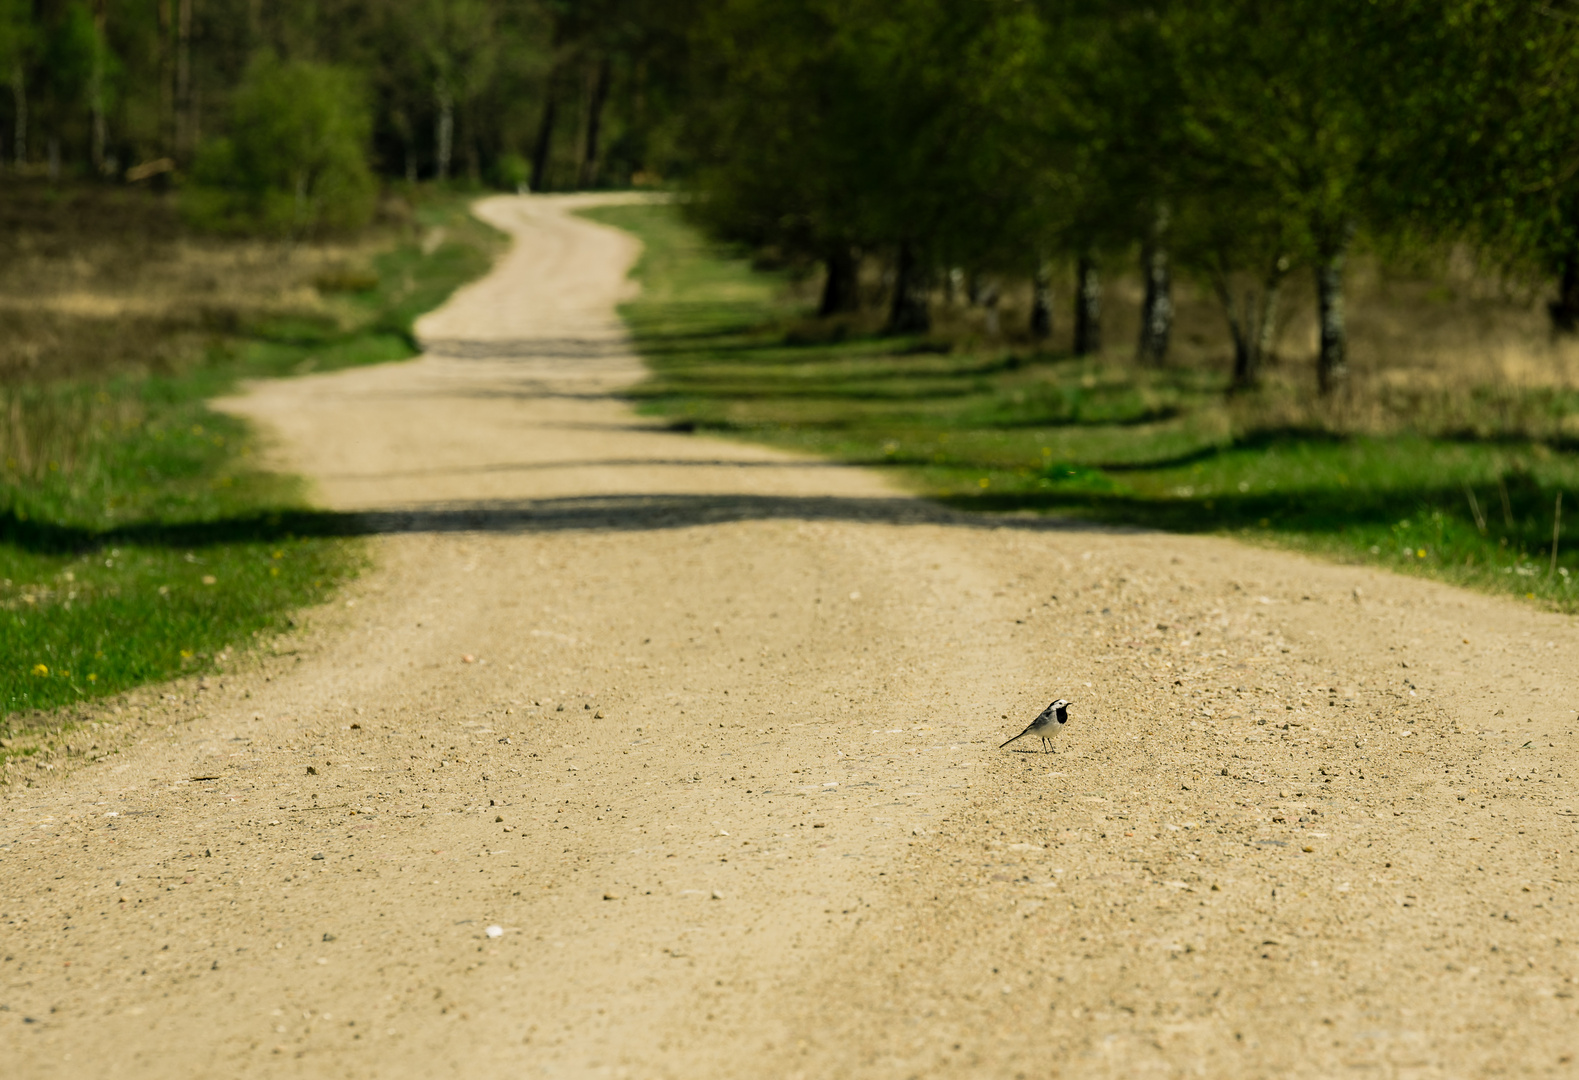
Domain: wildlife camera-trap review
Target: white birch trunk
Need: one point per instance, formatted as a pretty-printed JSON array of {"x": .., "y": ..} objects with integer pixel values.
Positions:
[{"x": 445, "y": 136}]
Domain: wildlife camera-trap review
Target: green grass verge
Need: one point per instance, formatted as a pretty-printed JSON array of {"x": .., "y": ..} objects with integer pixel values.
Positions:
[
  {"x": 406, "y": 282},
  {"x": 995, "y": 430},
  {"x": 140, "y": 542}
]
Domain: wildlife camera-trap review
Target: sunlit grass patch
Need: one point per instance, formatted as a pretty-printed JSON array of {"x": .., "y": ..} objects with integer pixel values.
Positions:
[
  {"x": 999, "y": 429},
  {"x": 160, "y": 547},
  {"x": 121, "y": 614}
]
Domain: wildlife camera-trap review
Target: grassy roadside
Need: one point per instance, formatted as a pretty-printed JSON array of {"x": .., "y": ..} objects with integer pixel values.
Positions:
[
  {"x": 993, "y": 429},
  {"x": 138, "y": 540}
]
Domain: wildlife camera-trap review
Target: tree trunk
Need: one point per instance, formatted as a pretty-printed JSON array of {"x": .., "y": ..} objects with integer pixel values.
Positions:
[
  {"x": 184, "y": 132},
  {"x": 19, "y": 99},
  {"x": 1271, "y": 298},
  {"x": 101, "y": 163},
  {"x": 1156, "y": 312},
  {"x": 444, "y": 133},
  {"x": 542, "y": 150},
  {"x": 96, "y": 91},
  {"x": 166, "y": 81},
  {"x": 1564, "y": 310},
  {"x": 1244, "y": 336},
  {"x": 469, "y": 141},
  {"x": 1088, "y": 307},
  {"x": 1332, "y": 358},
  {"x": 911, "y": 312},
  {"x": 1251, "y": 320},
  {"x": 975, "y": 288},
  {"x": 985, "y": 295},
  {"x": 840, "y": 292},
  {"x": 595, "y": 101},
  {"x": 1042, "y": 302}
]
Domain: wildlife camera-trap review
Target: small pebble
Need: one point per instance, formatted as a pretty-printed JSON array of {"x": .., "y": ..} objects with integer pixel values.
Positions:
[{"x": 495, "y": 931}]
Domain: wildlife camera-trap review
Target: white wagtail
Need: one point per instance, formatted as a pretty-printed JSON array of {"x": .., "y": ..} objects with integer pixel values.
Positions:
[{"x": 1048, "y": 724}]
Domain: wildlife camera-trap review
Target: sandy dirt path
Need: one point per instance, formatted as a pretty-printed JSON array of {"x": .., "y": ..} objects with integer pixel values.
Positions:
[{"x": 644, "y": 755}]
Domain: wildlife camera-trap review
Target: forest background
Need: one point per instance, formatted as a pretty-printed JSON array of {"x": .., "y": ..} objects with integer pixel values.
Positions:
[
  {"x": 952, "y": 140},
  {"x": 1305, "y": 271}
]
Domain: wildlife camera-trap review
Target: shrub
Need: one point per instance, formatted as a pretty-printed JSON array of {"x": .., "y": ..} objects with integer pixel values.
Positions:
[
  {"x": 511, "y": 172},
  {"x": 295, "y": 160}
]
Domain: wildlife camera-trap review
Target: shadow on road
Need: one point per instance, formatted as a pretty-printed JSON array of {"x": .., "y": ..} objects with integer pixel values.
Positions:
[{"x": 601, "y": 513}]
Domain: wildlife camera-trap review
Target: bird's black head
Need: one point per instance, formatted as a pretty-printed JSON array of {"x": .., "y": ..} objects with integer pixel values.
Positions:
[{"x": 1061, "y": 710}]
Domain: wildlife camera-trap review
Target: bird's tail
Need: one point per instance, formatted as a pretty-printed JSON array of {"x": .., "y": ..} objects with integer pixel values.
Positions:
[{"x": 1021, "y": 735}]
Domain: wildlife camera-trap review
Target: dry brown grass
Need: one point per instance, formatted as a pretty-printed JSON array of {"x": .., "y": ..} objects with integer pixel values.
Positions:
[
  {"x": 97, "y": 280},
  {"x": 48, "y": 428}
]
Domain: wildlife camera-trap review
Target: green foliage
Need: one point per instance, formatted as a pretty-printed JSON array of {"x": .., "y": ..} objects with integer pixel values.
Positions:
[
  {"x": 17, "y": 33},
  {"x": 994, "y": 432},
  {"x": 511, "y": 171},
  {"x": 1493, "y": 130},
  {"x": 73, "y": 53},
  {"x": 296, "y": 159},
  {"x": 823, "y": 124}
]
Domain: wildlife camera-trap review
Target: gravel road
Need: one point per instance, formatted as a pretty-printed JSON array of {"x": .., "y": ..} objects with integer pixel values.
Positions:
[{"x": 640, "y": 754}]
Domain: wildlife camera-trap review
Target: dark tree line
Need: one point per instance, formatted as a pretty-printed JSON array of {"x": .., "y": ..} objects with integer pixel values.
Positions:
[
  {"x": 552, "y": 93},
  {"x": 1228, "y": 139}
]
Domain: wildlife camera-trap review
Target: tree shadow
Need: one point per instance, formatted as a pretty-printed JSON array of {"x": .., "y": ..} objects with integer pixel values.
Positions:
[
  {"x": 1070, "y": 506},
  {"x": 1315, "y": 511},
  {"x": 599, "y": 513}
]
